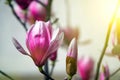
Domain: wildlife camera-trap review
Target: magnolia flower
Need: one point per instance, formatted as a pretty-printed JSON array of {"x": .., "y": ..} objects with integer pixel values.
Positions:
[
  {"x": 23, "y": 3},
  {"x": 71, "y": 60},
  {"x": 85, "y": 67},
  {"x": 104, "y": 75},
  {"x": 70, "y": 33},
  {"x": 36, "y": 12},
  {"x": 41, "y": 42}
]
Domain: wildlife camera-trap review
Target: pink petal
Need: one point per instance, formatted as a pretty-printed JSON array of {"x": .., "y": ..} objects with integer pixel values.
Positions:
[
  {"x": 102, "y": 76},
  {"x": 49, "y": 29},
  {"x": 19, "y": 47},
  {"x": 54, "y": 45},
  {"x": 72, "y": 50},
  {"x": 28, "y": 38},
  {"x": 56, "y": 41}
]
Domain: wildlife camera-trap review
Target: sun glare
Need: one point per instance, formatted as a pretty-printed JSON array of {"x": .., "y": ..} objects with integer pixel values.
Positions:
[{"x": 118, "y": 13}]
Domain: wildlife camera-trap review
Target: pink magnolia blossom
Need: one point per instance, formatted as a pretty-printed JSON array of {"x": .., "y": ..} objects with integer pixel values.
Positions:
[
  {"x": 85, "y": 67},
  {"x": 102, "y": 76},
  {"x": 23, "y": 3},
  {"x": 41, "y": 42},
  {"x": 36, "y": 12}
]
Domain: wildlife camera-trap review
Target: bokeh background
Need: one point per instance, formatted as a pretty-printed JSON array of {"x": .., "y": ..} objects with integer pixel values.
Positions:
[{"x": 91, "y": 16}]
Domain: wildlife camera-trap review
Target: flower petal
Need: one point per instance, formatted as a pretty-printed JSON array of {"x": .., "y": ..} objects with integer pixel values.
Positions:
[
  {"x": 72, "y": 50},
  {"x": 28, "y": 38},
  {"x": 19, "y": 47},
  {"x": 55, "y": 43},
  {"x": 49, "y": 29}
]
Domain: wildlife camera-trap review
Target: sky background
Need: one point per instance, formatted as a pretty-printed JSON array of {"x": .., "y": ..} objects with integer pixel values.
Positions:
[{"x": 91, "y": 16}]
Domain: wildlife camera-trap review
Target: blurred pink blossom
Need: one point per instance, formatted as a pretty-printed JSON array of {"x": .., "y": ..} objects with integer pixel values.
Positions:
[
  {"x": 70, "y": 33},
  {"x": 36, "y": 12},
  {"x": 85, "y": 67},
  {"x": 23, "y": 3},
  {"x": 104, "y": 75}
]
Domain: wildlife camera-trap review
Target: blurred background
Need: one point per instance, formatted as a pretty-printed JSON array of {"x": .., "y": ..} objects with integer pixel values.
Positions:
[{"x": 91, "y": 16}]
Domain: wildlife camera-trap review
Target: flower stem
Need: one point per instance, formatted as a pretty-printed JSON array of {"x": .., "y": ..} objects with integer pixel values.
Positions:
[
  {"x": 6, "y": 75},
  {"x": 69, "y": 78},
  {"x": 53, "y": 65},
  {"x": 25, "y": 21},
  {"x": 46, "y": 68},
  {"x": 48, "y": 8},
  {"x": 13, "y": 11},
  {"x": 106, "y": 42},
  {"x": 41, "y": 70}
]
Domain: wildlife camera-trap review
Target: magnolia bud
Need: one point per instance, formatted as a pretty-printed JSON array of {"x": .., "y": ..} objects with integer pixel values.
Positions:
[{"x": 71, "y": 60}]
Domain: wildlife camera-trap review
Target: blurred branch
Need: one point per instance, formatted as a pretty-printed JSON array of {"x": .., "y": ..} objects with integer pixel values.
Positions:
[
  {"x": 53, "y": 65},
  {"x": 6, "y": 75},
  {"x": 13, "y": 11},
  {"x": 55, "y": 21},
  {"x": 114, "y": 72},
  {"x": 85, "y": 42}
]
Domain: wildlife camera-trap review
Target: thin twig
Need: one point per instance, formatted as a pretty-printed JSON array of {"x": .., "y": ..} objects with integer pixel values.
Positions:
[
  {"x": 106, "y": 42},
  {"x": 55, "y": 21},
  {"x": 25, "y": 21},
  {"x": 53, "y": 66},
  {"x": 46, "y": 68},
  {"x": 6, "y": 75},
  {"x": 48, "y": 9},
  {"x": 13, "y": 11},
  {"x": 115, "y": 72}
]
